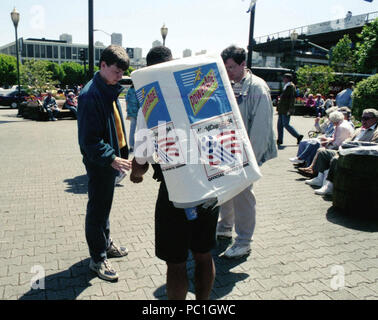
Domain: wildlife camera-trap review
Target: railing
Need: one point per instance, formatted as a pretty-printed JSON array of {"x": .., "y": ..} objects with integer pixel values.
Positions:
[{"x": 318, "y": 27}]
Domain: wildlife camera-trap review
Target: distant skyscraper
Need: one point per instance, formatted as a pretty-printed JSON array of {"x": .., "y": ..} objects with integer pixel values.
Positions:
[
  {"x": 116, "y": 38},
  {"x": 156, "y": 43},
  {"x": 137, "y": 53},
  {"x": 66, "y": 37},
  {"x": 187, "y": 53}
]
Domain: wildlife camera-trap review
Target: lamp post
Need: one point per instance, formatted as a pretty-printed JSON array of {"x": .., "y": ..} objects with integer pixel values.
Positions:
[
  {"x": 90, "y": 40},
  {"x": 293, "y": 38},
  {"x": 251, "y": 40},
  {"x": 15, "y": 15},
  {"x": 164, "y": 32}
]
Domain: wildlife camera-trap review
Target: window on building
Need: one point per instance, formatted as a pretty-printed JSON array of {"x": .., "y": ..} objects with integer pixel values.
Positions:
[
  {"x": 37, "y": 51},
  {"x": 62, "y": 52},
  {"x": 68, "y": 53},
  {"x": 55, "y": 48},
  {"x": 74, "y": 53},
  {"x": 97, "y": 54},
  {"x": 49, "y": 51},
  {"x": 43, "y": 51},
  {"x": 30, "y": 50}
]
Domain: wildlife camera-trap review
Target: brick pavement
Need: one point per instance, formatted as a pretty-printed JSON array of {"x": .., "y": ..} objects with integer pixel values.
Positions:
[{"x": 302, "y": 248}]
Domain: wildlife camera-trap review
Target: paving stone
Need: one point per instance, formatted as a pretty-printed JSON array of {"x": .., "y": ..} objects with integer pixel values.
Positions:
[{"x": 298, "y": 238}]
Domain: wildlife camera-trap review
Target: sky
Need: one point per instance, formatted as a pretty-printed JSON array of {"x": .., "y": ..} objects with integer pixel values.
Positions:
[{"x": 210, "y": 25}]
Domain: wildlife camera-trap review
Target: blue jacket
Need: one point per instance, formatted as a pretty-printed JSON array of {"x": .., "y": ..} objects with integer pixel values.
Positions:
[
  {"x": 132, "y": 103},
  {"x": 97, "y": 133}
]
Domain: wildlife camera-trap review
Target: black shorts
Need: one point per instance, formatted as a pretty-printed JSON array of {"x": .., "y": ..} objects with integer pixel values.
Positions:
[{"x": 175, "y": 235}]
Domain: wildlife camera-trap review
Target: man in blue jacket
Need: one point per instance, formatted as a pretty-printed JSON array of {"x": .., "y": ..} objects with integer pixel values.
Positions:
[{"x": 102, "y": 140}]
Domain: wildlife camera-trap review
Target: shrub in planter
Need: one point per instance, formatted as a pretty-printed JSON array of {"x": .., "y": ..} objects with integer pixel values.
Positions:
[{"x": 365, "y": 96}]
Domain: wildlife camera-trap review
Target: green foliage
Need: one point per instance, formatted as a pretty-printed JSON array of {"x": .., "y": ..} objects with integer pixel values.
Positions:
[
  {"x": 367, "y": 49},
  {"x": 35, "y": 76},
  {"x": 128, "y": 71},
  {"x": 343, "y": 56},
  {"x": 317, "y": 78},
  {"x": 8, "y": 70},
  {"x": 57, "y": 71},
  {"x": 73, "y": 73},
  {"x": 365, "y": 96}
]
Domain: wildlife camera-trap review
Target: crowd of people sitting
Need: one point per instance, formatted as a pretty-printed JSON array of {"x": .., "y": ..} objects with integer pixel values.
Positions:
[
  {"x": 319, "y": 104},
  {"x": 51, "y": 107},
  {"x": 317, "y": 156}
]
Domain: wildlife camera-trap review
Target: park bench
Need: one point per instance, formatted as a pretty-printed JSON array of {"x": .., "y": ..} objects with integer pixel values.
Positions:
[{"x": 34, "y": 110}]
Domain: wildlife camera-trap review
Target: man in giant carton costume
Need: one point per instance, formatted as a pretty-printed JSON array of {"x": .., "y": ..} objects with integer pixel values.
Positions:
[{"x": 190, "y": 128}]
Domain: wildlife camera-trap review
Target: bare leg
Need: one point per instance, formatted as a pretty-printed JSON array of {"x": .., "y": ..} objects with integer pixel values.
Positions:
[
  {"x": 177, "y": 281},
  {"x": 204, "y": 275}
]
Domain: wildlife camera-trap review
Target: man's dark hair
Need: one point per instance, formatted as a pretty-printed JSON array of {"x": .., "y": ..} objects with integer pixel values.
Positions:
[
  {"x": 114, "y": 54},
  {"x": 350, "y": 84},
  {"x": 235, "y": 53},
  {"x": 158, "y": 55}
]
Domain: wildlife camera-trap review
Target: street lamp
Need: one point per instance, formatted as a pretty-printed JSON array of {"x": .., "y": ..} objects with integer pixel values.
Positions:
[
  {"x": 16, "y": 18},
  {"x": 293, "y": 38},
  {"x": 164, "y": 32}
]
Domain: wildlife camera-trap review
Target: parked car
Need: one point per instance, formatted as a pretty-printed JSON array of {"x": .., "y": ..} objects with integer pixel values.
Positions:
[{"x": 10, "y": 97}]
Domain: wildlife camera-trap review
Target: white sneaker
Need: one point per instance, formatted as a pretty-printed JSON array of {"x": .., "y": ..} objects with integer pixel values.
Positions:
[
  {"x": 104, "y": 270},
  {"x": 237, "y": 251},
  {"x": 224, "y": 234},
  {"x": 120, "y": 177},
  {"x": 317, "y": 181},
  {"x": 326, "y": 189},
  {"x": 295, "y": 160}
]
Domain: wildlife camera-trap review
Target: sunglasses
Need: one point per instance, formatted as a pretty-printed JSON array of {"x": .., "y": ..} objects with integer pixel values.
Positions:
[{"x": 366, "y": 118}]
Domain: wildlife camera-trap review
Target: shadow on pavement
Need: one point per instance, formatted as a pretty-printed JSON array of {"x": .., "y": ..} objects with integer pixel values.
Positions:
[
  {"x": 224, "y": 280},
  {"x": 77, "y": 185},
  {"x": 65, "y": 285},
  {"x": 352, "y": 222}
]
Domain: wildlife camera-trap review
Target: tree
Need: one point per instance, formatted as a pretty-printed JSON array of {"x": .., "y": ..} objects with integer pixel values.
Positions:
[
  {"x": 8, "y": 70},
  {"x": 343, "y": 57},
  {"x": 35, "y": 76},
  {"x": 367, "y": 49},
  {"x": 57, "y": 71},
  {"x": 128, "y": 71},
  {"x": 365, "y": 95},
  {"x": 73, "y": 73},
  {"x": 317, "y": 78}
]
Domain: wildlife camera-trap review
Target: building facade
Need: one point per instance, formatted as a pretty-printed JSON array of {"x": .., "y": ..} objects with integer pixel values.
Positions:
[
  {"x": 186, "y": 53},
  {"x": 116, "y": 38},
  {"x": 58, "y": 51}
]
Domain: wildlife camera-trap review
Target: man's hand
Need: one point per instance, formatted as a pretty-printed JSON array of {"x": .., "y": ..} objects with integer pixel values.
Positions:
[
  {"x": 121, "y": 165},
  {"x": 138, "y": 170}
]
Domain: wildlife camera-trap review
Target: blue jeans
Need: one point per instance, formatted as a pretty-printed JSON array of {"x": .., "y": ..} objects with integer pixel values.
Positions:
[
  {"x": 100, "y": 198},
  {"x": 307, "y": 150},
  {"x": 284, "y": 122},
  {"x": 132, "y": 132}
]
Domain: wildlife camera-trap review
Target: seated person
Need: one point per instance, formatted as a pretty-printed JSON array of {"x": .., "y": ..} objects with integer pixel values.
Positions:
[
  {"x": 307, "y": 148},
  {"x": 71, "y": 104},
  {"x": 310, "y": 102},
  {"x": 368, "y": 132},
  {"x": 50, "y": 105},
  {"x": 347, "y": 115},
  {"x": 343, "y": 130},
  {"x": 330, "y": 102},
  {"x": 319, "y": 105}
]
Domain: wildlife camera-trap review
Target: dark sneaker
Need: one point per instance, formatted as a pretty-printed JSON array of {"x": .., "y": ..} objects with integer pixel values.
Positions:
[
  {"x": 104, "y": 270},
  {"x": 116, "y": 252}
]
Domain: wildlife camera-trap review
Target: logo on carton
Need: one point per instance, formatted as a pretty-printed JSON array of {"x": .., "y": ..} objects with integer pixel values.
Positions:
[
  {"x": 201, "y": 94},
  {"x": 149, "y": 103}
]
